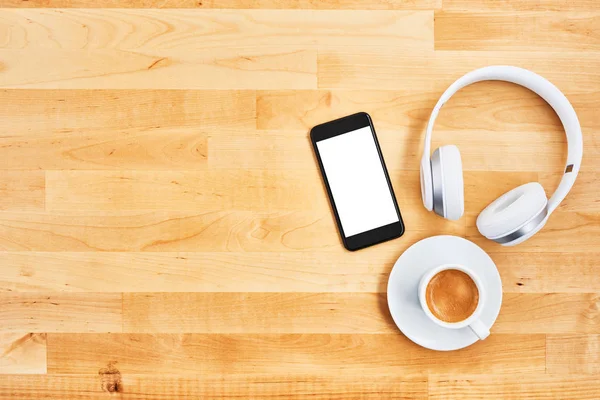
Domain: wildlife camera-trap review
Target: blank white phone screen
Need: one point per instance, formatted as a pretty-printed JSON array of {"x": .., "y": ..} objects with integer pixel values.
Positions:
[{"x": 357, "y": 181}]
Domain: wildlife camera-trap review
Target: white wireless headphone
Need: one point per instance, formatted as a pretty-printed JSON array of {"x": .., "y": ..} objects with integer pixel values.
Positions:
[{"x": 518, "y": 214}]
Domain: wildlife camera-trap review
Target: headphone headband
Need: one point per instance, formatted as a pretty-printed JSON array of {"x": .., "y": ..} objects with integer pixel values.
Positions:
[{"x": 543, "y": 88}]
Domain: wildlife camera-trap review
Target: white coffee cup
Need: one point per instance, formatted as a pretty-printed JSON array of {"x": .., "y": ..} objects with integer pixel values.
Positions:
[{"x": 473, "y": 320}]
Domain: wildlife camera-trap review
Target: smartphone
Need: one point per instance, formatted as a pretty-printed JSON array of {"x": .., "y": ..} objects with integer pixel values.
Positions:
[{"x": 357, "y": 181}]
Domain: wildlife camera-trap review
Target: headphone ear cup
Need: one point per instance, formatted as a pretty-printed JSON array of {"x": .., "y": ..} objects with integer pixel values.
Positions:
[
  {"x": 448, "y": 190},
  {"x": 512, "y": 210}
]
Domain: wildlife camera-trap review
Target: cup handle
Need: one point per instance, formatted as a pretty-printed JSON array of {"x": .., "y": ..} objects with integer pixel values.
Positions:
[{"x": 480, "y": 329}]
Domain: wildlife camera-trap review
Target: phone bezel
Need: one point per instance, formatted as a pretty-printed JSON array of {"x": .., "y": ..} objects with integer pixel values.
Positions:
[{"x": 340, "y": 127}]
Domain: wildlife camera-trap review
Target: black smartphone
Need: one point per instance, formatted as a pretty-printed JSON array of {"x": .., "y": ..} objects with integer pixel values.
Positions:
[{"x": 357, "y": 181}]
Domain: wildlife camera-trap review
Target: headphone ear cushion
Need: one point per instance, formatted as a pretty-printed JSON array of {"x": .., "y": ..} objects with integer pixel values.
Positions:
[
  {"x": 452, "y": 177},
  {"x": 512, "y": 210}
]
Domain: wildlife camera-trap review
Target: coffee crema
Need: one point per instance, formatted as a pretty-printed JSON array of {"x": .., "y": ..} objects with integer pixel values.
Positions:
[{"x": 452, "y": 296}]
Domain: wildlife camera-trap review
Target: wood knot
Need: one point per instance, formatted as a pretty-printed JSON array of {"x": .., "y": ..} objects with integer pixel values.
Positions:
[{"x": 111, "y": 378}]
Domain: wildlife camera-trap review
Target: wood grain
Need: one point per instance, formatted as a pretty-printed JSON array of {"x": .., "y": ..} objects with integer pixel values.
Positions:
[
  {"x": 573, "y": 354},
  {"x": 222, "y": 386},
  {"x": 176, "y": 32},
  {"x": 244, "y": 4},
  {"x": 548, "y": 272},
  {"x": 330, "y": 272},
  {"x": 549, "y": 313},
  {"x": 22, "y": 353},
  {"x": 295, "y": 354},
  {"x": 522, "y": 5},
  {"x": 256, "y": 313},
  {"x": 110, "y": 148},
  {"x": 190, "y": 190},
  {"x": 520, "y": 386},
  {"x": 230, "y": 189},
  {"x": 549, "y": 31},
  {"x": 273, "y": 67},
  {"x": 579, "y": 198},
  {"x": 487, "y": 106},
  {"x": 58, "y": 312},
  {"x": 33, "y": 113},
  {"x": 378, "y": 68},
  {"x": 163, "y": 231},
  {"x": 199, "y": 272},
  {"x": 192, "y": 231},
  {"x": 522, "y": 313},
  {"x": 22, "y": 190},
  {"x": 117, "y": 129}
]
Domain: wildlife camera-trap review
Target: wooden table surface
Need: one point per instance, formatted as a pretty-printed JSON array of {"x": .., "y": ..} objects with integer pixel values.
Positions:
[{"x": 164, "y": 232}]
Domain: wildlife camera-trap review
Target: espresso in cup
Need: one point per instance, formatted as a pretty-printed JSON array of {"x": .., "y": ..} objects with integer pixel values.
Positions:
[{"x": 452, "y": 296}]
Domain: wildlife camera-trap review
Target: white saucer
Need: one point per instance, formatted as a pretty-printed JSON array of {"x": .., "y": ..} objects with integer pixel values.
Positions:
[{"x": 402, "y": 290}]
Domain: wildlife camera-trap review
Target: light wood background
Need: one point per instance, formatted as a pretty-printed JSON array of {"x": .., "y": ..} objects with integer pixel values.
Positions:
[{"x": 164, "y": 232}]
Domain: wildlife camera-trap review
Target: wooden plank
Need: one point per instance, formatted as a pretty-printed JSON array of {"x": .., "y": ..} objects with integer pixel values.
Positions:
[
  {"x": 517, "y": 30},
  {"x": 363, "y": 272},
  {"x": 573, "y": 354},
  {"x": 337, "y": 355},
  {"x": 197, "y": 272},
  {"x": 223, "y": 189},
  {"x": 253, "y": 231},
  {"x": 195, "y": 231},
  {"x": 41, "y": 113},
  {"x": 155, "y": 148},
  {"x": 549, "y": 313},
  {"x": 60, "y": 312},
  {"x": 536, "y": 151},
  {"x": 189, "y": 190},
  {"x": 488, "y": 106},
  {"x": 522, "y": 313},
  {"x": 243, "y": 4},
  {"x": 22, "y": 353},
  {"x": 565, "y": 232},
  {"x": 256, "y": 313},
  {"x": 22, "y": 190},
  {"x": 514, "y": 387},
  {"x": 222, "y": 386},
  {"x": 378, "y": 68},
  {"x": 239, "y": 189},
  {"x": 143, "y": 30},
  {"x": 227, "y": 67},
  {"x": 548, "y": 272},
  {"x": 521, "y": 5}
]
